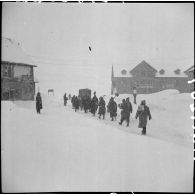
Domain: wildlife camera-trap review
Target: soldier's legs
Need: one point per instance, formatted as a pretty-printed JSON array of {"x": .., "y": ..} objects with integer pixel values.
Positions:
[
  {"x": 93, "y": 111},
  {"x": 111, "y": 116},
  {"x": 122, "y": 119},
  {"x": 144, "y": 131},
  {"x": 115, "y": 115},
  {"x": 127, "y": 119},
  {"x": 37, "y": 108}
]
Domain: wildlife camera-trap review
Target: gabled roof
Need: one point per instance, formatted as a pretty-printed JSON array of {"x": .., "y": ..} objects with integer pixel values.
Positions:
[
  {"x": 189, "y": 69},
  {"x": 11, "y": 51},
  {"x": 143, "y": 64}
]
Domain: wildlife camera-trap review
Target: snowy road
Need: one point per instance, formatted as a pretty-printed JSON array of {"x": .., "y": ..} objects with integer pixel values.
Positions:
[{"x": 61, "y": 150}]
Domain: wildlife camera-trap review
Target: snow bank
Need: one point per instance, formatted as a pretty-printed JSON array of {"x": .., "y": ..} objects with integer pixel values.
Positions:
[
  {"x": 60, "y": 150},
  {"x": 170, "y": 115}
]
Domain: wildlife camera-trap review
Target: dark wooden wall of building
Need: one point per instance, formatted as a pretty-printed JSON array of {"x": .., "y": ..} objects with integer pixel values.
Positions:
[
  {"x": 20, "y": 87},
  {"x": 17, "y": 90},
  {"x": 124, "y": 85}
]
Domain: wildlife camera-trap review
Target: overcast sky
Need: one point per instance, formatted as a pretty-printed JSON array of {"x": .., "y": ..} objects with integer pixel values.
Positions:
[{"x": 57, "y": 37}]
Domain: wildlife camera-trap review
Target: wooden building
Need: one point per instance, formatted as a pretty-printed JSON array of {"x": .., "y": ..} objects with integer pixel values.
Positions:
[
  {"x": 17, "y": 75},
  {"x": 148, "y": 80},
  {"x": 190, "y": 73}
]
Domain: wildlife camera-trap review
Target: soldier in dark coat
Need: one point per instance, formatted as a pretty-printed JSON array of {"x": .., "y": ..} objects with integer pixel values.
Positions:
[
  {"x": 94, "y": 104},
  {"x": 73, "y": 101},
  {"x": 128, "y": 110},
  {"x": 86, "y": 103},
  {"x": 143, "y": 113},
  {"x": 76, "y": 103},
  {"x": 80, "y": 102},
  {"x": 65, "y": 99},
  {"x": 102, "y": 107},
  {"x": 112, "y": 108},
  {"x": 38, "y": 102}
]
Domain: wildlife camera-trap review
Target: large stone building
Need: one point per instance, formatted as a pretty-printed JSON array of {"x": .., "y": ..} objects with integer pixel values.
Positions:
[
  {"x": 149, "y": 80},
  {"x": 17, "y": 76}
]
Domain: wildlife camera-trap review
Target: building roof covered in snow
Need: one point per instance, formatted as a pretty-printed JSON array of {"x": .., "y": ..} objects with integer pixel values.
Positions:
[
  {"x": 171, "y": 74},
  {"x": 141, "y": 65},
  {"x": 190, "y": 69},
  {"x": 124, "y": 71},
  {"x": 11, "y": 51}
]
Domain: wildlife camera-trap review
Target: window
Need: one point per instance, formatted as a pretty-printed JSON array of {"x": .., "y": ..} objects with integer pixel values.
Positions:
[
  {"x": 135, "y": 73},
  {"x": 177, "y": 71},
  {"x": 124, "y": 72},
  {"x": 145, "y": 84},
  {"x": 150, "y": 74},
  {"x": 162, "y": 71},
  {"x": 7, "y": 71}
]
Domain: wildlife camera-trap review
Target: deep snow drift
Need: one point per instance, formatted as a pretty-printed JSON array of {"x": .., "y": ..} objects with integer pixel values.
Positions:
[{"x": 61, "y": 150}]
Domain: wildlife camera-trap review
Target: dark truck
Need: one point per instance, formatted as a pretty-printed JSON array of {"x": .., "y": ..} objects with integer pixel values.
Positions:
[
  {"x": 83, "y": 92},
  {"x": 84, "y": 99}
]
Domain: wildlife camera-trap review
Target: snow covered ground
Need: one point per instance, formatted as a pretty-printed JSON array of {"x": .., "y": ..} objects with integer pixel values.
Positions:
[{"x": 61, "y": 150}]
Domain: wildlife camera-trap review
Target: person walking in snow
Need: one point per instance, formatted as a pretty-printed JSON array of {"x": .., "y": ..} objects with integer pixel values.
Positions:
[
  {"x": 102, "y": 107},
  {"x": 94, "y": 104},
  {"x": 143, "y": 113},
  {"x": 73, "y": 101},
  {"x": 128, "y": 110},
  {"x": 38, "y": 102},
  {"x": 80, "y": 102},
  {"x": 86, "y": 103},
  {"x": 112, "y": 108},
  {"x": 69, "y": 96},
  {"x": 76, "y": 103},
  {"x": 123, "y": 106},
  {"x": 135, "y": 94},
  {"x": 65, "y": 99}
]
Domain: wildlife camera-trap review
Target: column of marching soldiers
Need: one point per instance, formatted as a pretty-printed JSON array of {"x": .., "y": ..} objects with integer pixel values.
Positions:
[{"x": 91, "y": 105}]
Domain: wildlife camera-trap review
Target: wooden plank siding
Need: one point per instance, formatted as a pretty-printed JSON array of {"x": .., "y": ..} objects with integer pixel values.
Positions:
[
  {"x": 19, "y": 85},
  {"x": 149, "y": 85},
  {"x": 143, "y": 76}
]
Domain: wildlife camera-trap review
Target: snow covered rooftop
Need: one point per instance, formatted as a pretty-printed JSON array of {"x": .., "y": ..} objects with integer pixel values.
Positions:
[
  {"x": 190, "y": 69},
  {"x": 168, "y": 72},
  {"x": 157, "y": 64},
  {"x": 11, "y": 51},
  {"x": 171, "y": 74}
]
